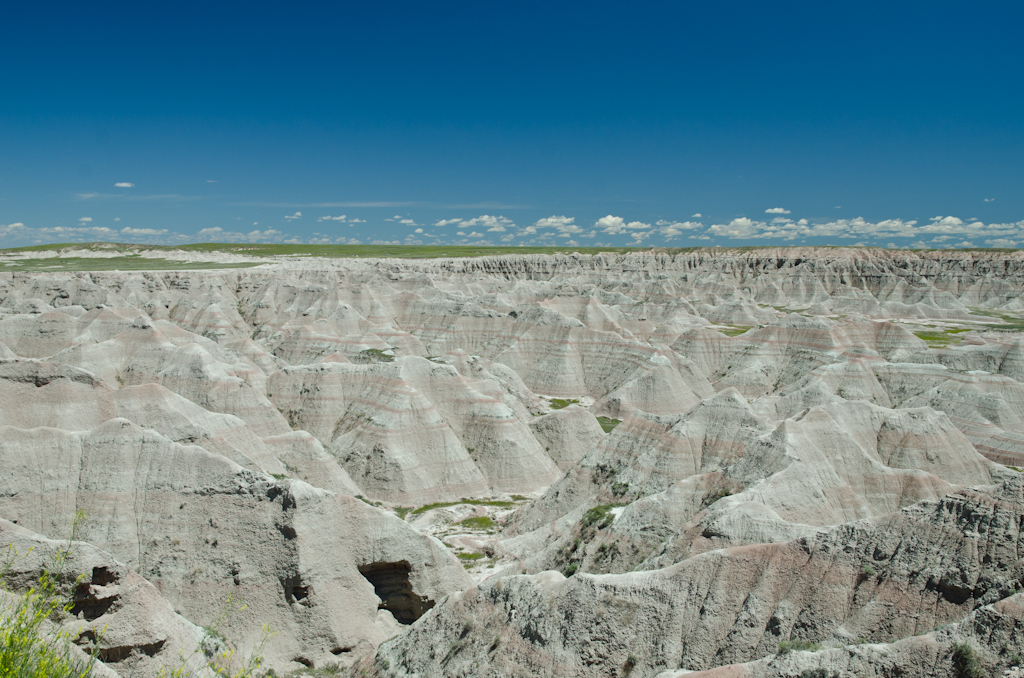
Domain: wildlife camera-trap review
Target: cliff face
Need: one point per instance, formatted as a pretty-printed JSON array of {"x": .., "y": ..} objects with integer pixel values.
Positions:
[{"x": 650, "y": 462}]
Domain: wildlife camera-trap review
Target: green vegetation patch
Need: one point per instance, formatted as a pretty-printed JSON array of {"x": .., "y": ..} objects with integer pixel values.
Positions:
[
  {"x": 257, "y": 251},
  {"x": 470, "y": 556},
  {"x": 562, "y": 403},
  {"x": 477, "y": 523},
  {"x": 965, "y": 661},
  {"x": 734, "y": 331},
  {"x": 599, "y": 516},
  {"x": 474, "y": 502},
  {"x": 788, "y": 646},
  {"x": 377, "y": 355},
  {"x": 608, "y": 424},
  {"x": 1010, "y": 323},
  {"x": 132, "y": 262},
  {"x": 939, "y": 339}
]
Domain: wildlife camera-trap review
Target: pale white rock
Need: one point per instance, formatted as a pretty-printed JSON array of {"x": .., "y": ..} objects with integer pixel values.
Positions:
[
  {"x": 567, "y": 434},
  {"x": 187, "y": 519}
]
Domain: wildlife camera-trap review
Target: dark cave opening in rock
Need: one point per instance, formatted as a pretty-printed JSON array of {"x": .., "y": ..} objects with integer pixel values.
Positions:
[{"x": 391, "y": 584}]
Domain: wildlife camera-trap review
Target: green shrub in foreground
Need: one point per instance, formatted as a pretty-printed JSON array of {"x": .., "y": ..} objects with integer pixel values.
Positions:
[
  {"x": 26, "y": 650},
  {"x": 28, "y": 647}
]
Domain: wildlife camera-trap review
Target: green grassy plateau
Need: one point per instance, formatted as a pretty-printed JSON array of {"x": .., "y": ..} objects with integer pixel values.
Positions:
[{"x": 130, "y": 260}]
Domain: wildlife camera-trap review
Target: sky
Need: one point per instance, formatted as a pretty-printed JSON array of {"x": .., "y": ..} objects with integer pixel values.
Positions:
[{"x": 897, "y": 124}]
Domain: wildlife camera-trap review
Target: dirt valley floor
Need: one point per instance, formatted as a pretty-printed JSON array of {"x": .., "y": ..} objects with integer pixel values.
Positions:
[{"x": 737, "y": 463}]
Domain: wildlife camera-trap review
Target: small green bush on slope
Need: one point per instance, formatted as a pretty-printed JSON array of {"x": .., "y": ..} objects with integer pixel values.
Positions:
[
  {"x": 31, "y": 647},
  {"x": 28, "y": 648}
]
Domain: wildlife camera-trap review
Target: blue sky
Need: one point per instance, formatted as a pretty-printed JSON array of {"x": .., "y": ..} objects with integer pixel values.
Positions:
[{"x": 526, "y": 123}]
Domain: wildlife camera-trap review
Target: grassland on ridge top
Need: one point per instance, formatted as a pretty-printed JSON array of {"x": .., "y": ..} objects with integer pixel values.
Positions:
[{"x": 127, "y": 257}]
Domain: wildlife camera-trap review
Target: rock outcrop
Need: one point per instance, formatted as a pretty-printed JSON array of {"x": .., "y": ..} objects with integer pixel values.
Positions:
[{"x": 749, "y": 463}]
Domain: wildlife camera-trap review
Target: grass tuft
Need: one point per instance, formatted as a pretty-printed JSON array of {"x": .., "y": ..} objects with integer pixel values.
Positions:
[
  {"x": 599, "y": 516},
  {"x": 966, "y": 663},
  {"x": 474, "y": 502},
  {"x": 477, "y": 523},
  {"x": 787, "y": 646}
]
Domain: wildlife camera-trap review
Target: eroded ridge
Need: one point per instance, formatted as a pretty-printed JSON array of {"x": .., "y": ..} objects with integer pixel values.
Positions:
[{"x": 750, "y": 463}]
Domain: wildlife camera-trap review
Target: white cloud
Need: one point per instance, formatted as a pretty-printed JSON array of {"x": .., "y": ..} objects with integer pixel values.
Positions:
[
  {"x": 493, "y": 224},
  {"x": 356, "y": 221},
  {"x": 418, "y": 230},
  {"x": 554, "y": 222},
  {"x": 117, "y": 218},
  {"x": 143, "y": 231},
  {"x": 447, "y": 222},
  {"x": 616, "y": 225},
  {"x": 1001, "y": 242},
  {"x": 125, "y": 184},
  {"x": 85, "y": 219},
  {"x": 698, "y": 215},
  {"x": 610, "y": 224},
  {"x": 211, "y": 181},
  {"x": 565, "y": 226},
  {"x": 408, "y": 222},
  {"x": 776, "y": 210},
  {"x": 742, "y": 227},
  {"x": 673, "y": 229},
  {"x": 330, "y": 218},
  {"x": 297, "y": 215},
  {"x": 217, "y": 234},
  {"x": 965, "y": 243},
  {"x": 785, "y": 229},
  {"x": 990, "y": 199}
]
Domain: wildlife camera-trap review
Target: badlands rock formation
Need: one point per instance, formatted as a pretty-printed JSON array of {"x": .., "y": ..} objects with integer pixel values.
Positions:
[{"x": 747, "y": 463}]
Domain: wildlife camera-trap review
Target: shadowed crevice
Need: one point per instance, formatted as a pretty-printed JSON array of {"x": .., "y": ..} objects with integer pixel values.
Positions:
[{"x": 391, "y": 584}]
